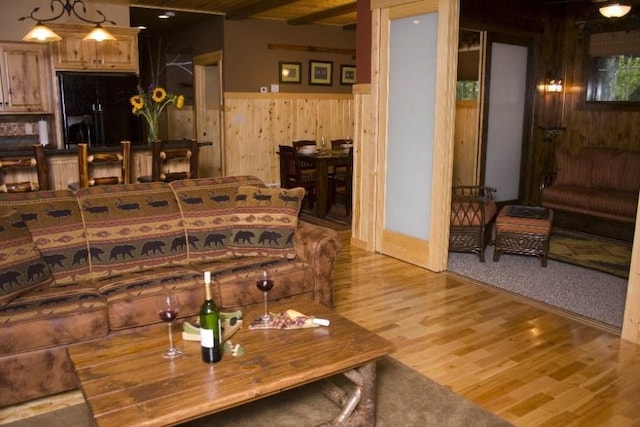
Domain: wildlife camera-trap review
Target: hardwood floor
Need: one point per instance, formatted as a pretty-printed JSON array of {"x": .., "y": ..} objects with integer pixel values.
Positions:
[{"x": 530, "y": 366}]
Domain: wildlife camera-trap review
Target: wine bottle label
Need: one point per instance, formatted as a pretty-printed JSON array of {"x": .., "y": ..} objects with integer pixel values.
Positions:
[{"x": 206, "y": 338}]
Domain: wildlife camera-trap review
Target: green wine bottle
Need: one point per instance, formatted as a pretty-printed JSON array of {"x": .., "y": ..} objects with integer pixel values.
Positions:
[{"x": 210, "y": 327}]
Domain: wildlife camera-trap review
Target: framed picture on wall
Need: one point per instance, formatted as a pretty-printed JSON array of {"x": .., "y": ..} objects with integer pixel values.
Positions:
[
  {"x": 320, "y": 73},
  {"x": 347, "y": 74},
  {"x": 289, "y": 72}
]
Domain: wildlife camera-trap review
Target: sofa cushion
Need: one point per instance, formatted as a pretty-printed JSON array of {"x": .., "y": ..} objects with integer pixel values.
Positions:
[
  {"x": 630, "y": 179},
  {"x": 22, "y": 269},
  {"x": 207, "y": 205},
  {"x": 52, "y": 316},
  {"x": 615, "y": 203},
  {"x": 265, "y": 221},
  {"x": 573, "y": 169},
  {"x": 235, "y": 280},
  {"x": 608, "y": 167},
  {"x": 131, "y": 297},
  {"x": 56, "y": 225},
  {"x": 141, "y": 230}
]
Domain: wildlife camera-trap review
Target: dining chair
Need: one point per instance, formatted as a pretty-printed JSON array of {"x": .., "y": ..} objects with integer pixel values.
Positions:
[
  {"x": 291, "y": 175},
  {"x": 98, "y": 167},
  {"x": 173, "y": 160},
  {"x": 337, "y": 144},
  {"x": 305, "y": 165},
  {"x": 341, "y": 183},
  {"x": 18, "y": 168},
  {"x": 473, "y": 211}
]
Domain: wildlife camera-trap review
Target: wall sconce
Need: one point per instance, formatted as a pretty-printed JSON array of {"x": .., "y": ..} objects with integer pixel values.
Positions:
[
  {"x": 553, "y": 85},
  {"x": 614, "y": 9},
  {"x": 40, "y": 33}
]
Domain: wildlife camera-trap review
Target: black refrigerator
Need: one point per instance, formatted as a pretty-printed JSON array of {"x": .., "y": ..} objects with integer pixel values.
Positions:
[{"x": 96, "y": 108}]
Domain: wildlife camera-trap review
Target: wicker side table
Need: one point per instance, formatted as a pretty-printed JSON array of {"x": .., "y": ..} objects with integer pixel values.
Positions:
[{"x": 523, "y": 230}]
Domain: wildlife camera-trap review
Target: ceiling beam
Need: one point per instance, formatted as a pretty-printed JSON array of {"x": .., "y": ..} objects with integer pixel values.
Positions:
[
  {"x": 328, "y": 13},
  {"x": 255, "y": 8}
]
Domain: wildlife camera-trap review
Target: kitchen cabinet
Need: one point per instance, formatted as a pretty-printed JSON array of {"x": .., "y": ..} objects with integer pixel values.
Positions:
[
  {"x": 25, "y": 85},
  {"x": 74, "y": 54}
]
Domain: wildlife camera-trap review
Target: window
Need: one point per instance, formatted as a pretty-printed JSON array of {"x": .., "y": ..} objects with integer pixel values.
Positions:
[
  {"x": 613, "y": 69},
  {"x": 614, "y": 78},
  {"x": 467, "y": 90}
]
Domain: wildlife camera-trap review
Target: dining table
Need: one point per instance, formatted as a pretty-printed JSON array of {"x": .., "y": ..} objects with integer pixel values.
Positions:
[{"x": 323, "y": 159}]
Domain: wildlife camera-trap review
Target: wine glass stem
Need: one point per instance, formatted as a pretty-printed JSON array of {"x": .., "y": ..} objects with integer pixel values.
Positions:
[
  {"x": 266, "y": 312},
  {"x": 170, "y": 336}
]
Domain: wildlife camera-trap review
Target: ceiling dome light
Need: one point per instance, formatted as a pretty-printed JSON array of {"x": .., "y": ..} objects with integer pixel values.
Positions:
[{"x": 614, "y": 10}]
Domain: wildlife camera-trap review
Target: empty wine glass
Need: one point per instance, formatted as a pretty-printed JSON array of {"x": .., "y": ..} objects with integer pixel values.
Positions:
[
  {"x": 167, "y": 311},
  {"x": 264, "y": 282}
]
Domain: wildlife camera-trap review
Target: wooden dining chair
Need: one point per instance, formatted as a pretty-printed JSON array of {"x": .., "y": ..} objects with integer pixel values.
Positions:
[
  {"x": 173, "y": 160},
  {"x": 336, "y": 144},
  {"x": 15, "y": 169},
  {"x": 305, "y": 165},
  {"x": 291, "y": 175},
  {"x": 98, "y": 167},
  {"x": 341, "y": 184}
]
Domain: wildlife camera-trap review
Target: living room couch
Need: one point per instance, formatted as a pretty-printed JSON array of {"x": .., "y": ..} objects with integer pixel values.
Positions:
[
  {"x": 595, "y": 190},
  {"x": 80, "y": 266}
]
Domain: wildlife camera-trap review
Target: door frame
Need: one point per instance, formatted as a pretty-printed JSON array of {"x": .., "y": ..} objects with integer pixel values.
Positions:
[
  {"x": 433, "y": 253},
  {"x": 200, "y": 63}
]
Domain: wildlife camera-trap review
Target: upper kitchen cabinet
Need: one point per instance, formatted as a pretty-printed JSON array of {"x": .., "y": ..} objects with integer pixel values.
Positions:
[
  {"x": 74, "y": 54},
  {"x": 24, "y": 78}
]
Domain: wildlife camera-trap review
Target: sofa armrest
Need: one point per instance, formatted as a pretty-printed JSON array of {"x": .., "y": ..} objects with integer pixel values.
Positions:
[
  {"x": 546, "y": 180},
  {"x": 319, "y": 247}
]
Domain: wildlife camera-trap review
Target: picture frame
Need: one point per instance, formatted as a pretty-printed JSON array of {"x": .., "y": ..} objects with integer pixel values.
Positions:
[
  {"x": 290, "y": 72},
  {"x": 321, "y": 73},
  {"x": 347, "y": 74}
]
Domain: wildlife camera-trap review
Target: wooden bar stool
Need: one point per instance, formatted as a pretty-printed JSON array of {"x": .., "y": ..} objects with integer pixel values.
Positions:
[
  {"x": 173, "y": 160},
  {"x": 90, "y": 163},
  {"x": 20, "y": 167}
]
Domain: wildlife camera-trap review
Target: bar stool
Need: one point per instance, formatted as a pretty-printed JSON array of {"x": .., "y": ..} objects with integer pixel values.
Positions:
[
  {"x": 90, "y": 163},
  {"x": 173, "y": 160},
  {"x": 20, "y": 167}
]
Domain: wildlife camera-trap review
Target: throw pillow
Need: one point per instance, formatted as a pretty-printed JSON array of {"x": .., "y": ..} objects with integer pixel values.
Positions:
[
  {"x": 265, "y": 221},
  {"x": 22, "y": 269}
]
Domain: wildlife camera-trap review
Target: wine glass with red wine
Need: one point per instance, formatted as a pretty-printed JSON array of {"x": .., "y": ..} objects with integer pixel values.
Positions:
[
  {"x": 167, "y": 311},
  {"x": 264, "y": 282}
]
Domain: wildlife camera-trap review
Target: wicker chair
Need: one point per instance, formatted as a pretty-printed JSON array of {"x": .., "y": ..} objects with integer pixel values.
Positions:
[{"x": 472, "y": 214}]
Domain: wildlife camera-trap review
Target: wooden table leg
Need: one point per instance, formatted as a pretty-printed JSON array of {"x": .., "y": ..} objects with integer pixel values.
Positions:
[
  {"x": 358, "y": 407},
  {"x": 322, "y": 188}
]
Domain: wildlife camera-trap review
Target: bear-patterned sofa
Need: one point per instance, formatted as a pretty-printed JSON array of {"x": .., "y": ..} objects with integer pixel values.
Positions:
[
  {"x": 80, "y": 266},
  {"x": 595, "y": 190}
]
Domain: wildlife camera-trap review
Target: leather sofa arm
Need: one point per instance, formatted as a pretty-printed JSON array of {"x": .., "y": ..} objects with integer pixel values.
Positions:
[{"x": 319, "y": 247}]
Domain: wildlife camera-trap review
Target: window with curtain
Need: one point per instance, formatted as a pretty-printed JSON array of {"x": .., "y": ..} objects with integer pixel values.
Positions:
[{"x": 614, "y": 67}]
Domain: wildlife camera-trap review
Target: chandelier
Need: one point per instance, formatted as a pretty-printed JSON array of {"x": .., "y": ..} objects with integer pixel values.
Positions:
[{"x": 41, "y": 33}]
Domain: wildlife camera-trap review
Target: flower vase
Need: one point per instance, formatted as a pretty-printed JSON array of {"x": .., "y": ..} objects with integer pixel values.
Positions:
[{"x": 152, "y": 131}]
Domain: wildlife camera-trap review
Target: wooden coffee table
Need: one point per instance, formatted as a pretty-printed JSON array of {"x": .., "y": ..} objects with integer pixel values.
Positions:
[{"x": 126, "y": 381}]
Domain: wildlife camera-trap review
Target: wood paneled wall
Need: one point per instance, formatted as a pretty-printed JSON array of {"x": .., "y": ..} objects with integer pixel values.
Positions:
[{"x": 256, "y": 123}]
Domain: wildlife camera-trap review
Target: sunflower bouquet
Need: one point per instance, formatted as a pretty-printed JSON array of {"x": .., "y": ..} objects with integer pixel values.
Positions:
[{"x": 151, "y": 104}]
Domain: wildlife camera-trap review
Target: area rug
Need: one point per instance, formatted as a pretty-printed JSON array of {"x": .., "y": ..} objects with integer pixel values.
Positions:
[
  {"x": 590, "y": 251},
  {"x": 592, "y": 295},
  {"x": 405, "y": 398}
]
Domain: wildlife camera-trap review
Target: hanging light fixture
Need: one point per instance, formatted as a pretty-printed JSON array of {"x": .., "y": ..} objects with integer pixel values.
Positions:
[
  {"x": 40, "y": 33},
  {"x": 614, "y": 9}
]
